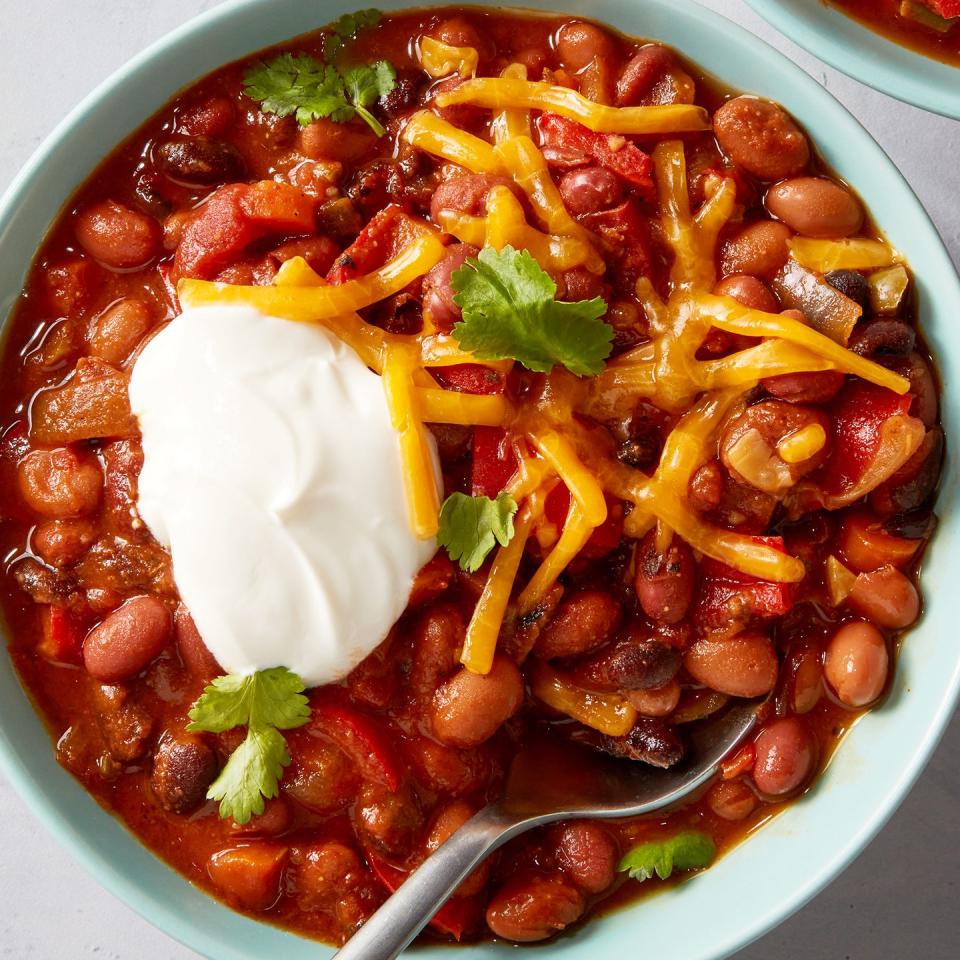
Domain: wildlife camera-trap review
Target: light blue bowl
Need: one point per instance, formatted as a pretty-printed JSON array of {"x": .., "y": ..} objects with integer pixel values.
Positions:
[
  {"x": 866, "y": 56},
  {"x": 788, "y": 861}
]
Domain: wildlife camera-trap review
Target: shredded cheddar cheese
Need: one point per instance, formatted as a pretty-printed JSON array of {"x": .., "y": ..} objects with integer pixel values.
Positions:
[
  {"x": 511, "y": 122},
  {"x": 607, "y": 712},
  {"x": 428, "y": 132},
  {"x": 440, "y": 59}
]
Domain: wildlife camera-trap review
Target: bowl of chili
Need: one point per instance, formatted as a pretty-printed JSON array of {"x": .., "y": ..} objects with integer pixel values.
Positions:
[{"x": 880, "y": 758}]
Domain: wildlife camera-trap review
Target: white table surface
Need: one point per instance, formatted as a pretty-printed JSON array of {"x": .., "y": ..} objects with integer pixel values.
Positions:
[{"x": 898, "y": 900}]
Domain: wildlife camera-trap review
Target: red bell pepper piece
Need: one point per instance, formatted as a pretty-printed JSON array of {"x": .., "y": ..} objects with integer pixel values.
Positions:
[
  {"x": 625, "y": 232},
  {"x": 494, "y": 461},
  {"x": 63, "y": 635},
  {"x": 469, "y": 378},
  {"x": 362, "y": 737},
  {"x": 948, "y": 9},
  {"x": 612, "y": 152},
  {"x": 604, "y": 538},
  {"x": 452, "y": 919}
]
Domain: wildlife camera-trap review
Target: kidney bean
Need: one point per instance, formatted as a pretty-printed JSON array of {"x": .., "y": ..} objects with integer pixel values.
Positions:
[
  {"x": 657, "y": 702},
  {"x": 465, "y": 193},
  {"x": 732, "y": 800},
  {"x": 470, "y": 707},
  {"x": 760, "y": 137},
  {"x": 183, "y": 767},
  {"x": 323, "y": 872},
  {"x": 579, "y": 44},
  {"x": 913, "y": 484},
  {"x": 852, "y": 284},
  {"x": 818, "y": 387},
  {"x": 127, "y": 640},
  {"x": 583, "y": 621},
  {"x": 637, "y": 661},
  {"x": 533, "y": 907},
  {"x": 641, "y": 72},
  {"x": 389, "y": 818},
  {"x": 61, "y": 543},
  {"x": 60, "y": 483},
  {"x": 758, "y": 250},
  {"x": 320, "y": 778},
  {"x": 276, "y": 819},
  {"x": 815, "y": 207},
  {"x": 649, "y": 741},
  {"x": 200, "y": 161},
  {"x": 438, "y": 292},
  {"x": 250, "y": 875},
  {"x": 923, "y": 386},
  {"x": 460, "y": 32},
  {"x": 587, "y": 854},
  {"x": 347, "y": 142},
  {"x": 786, "y": 753},
  {"x": 665, "y": 581},
  {"x": 749, "y": 291},
  {"x": 590, "y": 189},
  {"x": 119, "y": 329},
  {"x": 857, "y": 663},
  {"x": 194, "y": 653},
  {"x": 212, "y": 117},
  {"x": 886, "y": 597},
  {"x": 742, "y": 666},
  {"x": 706, "y": 487},
  {"x": 117, "y": 236}
]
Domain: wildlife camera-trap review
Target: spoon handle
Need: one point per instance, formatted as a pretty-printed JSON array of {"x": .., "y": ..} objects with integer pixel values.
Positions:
[{"x": 415, "y": 902}]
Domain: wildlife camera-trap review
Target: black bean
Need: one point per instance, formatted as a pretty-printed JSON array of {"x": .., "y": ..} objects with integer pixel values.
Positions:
[
  {"x": 891, "y": 338},
  {"x": 851, "y": 284},
  {"x": 650, "y": 741},
  {"x": 200, "y": 161}
]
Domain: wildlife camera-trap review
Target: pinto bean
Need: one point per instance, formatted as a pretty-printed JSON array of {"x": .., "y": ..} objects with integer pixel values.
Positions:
[
  {"x": 60, "y": 483},
  {"x": 61, "y": 543},
  {"x": 758, "y": 250},
  {"x": 852, "y": 284},
  {"x": 323, "y": 872},
  {"x": 117, "y": 236},
  {"x": 742, "y": 666},
  {"x": 119, "y": 329},
  {"x": 818, "y": 387},
  {"x": 533, "y": 907},
  {"x": 583, "y": 621},
  {"x": 636, "y": 661},
  {"x": 590, "y": 189},
  {"x": 437, "y": 640},
  {"x": 857, "y": 663},
  {"x": 760, "y": 137},
  {"x": 447, "y": 821},
  {"x": 786, "y": 753},
  {"x": 470, "y": 707},
  {"x": 250, "y": 875},
  {"x": 580, "y": 44},
  {"x": 887, "y": 597},
  {"x": 460, "y": 32},
  {"x": 914, "y": 483},
  {"x": 347, "y": 142},
  {"x": 749, "y": 291},
  {"x": 127, "y": 640},
  {"x": 815, "y": 207},
  {"x": 389, "y": 818},
  {"x": 706, "y": 487},
  {"x": 665, "y": 581},
  {"x": 587, "y": 854},
  {"x": 438, "y": 292},
  {"x": 183, "y": 767},
  {"x": 732, "y": 800},
  {"x": 657, "y": 702}
]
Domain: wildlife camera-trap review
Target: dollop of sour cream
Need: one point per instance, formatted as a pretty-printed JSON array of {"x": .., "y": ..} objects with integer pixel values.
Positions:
[{"x": 272, "y": 473}]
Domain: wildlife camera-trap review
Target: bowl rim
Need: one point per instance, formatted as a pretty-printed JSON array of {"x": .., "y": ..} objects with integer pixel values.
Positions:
[
  {"x": 160, "y": 911},
  {"x": 877, "y": 62}
]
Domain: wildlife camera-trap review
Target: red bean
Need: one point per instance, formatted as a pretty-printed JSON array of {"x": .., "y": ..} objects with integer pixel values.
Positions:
[
  {"x": 887, "y": 597},
  {"x": 759, "y": 249},
  {"x": 665, "y": 581},
  {"x": 119, "y": 329},
  {"x": 61, "y": 543},
  {"x": 749, "y": 291},
  {"x": 533, "y": 907},
  {"x": 818, "y": 387},
  {"x": 786, "y": 753},
  {"x": 760, "y": 137},
  {"x": 583, "y": 621},
  {"x": 636, "y": 661},
  {"x": 470, "y": 707},
  {"x": 587, "y": 854},
  {"x": 60, "y": 483},
  {"x": 127, "y": 640},
  {"x": 580, "y": 44},
  {"x": 815, "y": 207},
  {"x": 183, "y": 767},
  {"x": 741, "y": 666},
  {"x": 732, "y": 800},
  {"x": 857, "y": 663},
  {"x": 438, "y": 293},
  {"x": 250, "y": 875},
  {"x": 118, "y": 236},
  {"x": 195, "y": 654},
  {"x": 590, "y": 189}
]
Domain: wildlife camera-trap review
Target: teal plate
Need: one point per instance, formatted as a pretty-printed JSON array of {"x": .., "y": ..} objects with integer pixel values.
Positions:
[
  {"x": 784, "y": 864},
  {"x": 866, "y": 56}
]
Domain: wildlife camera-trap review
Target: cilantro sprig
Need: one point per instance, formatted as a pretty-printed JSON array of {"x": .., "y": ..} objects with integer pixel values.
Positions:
[
  {"x": 510, "y": 311},
  {"x": 690, "y": 850},
  {"x": 470, "y": 527},
  {"x": 265, "y": 702},
  {"x": 301, "y": 85},
  {"x": 347, "y": 27}
]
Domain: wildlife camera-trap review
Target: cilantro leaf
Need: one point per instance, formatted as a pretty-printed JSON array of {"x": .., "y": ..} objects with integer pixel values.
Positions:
[
  {"x": 471, "y": 526},
  {"x": 251, "y": 775},
  {"x": 301, "y": 85},
  {"x": 690, "y": 850},
  {"x": 510, "y": 312},
  {"x": 265, "y": 703},
  {"x": 347, "y": 27}
]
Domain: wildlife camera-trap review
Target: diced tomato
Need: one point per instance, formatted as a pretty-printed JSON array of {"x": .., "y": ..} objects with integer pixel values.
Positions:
[
  {"x": 63, "y": 634},
  {"x": 469, "y": 378},
  {"x": 945, "y": 8},
  {"x": 363, "y": 738},
  {"x": 233, "y": 217},
  {"x": 453, "y": 918},
  {"x": 604, "y": 538},
  {"x": 866, "y": 546},
  {"x": 612, "y": 152},
  {"x": 494, "y": 461},
  {"x": 383, "y": 238},
  {"x": 625, "y": 232}
]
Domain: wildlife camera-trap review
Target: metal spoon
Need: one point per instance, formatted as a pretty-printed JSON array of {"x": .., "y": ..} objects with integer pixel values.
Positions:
[{"x": 547, "y": 782}]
